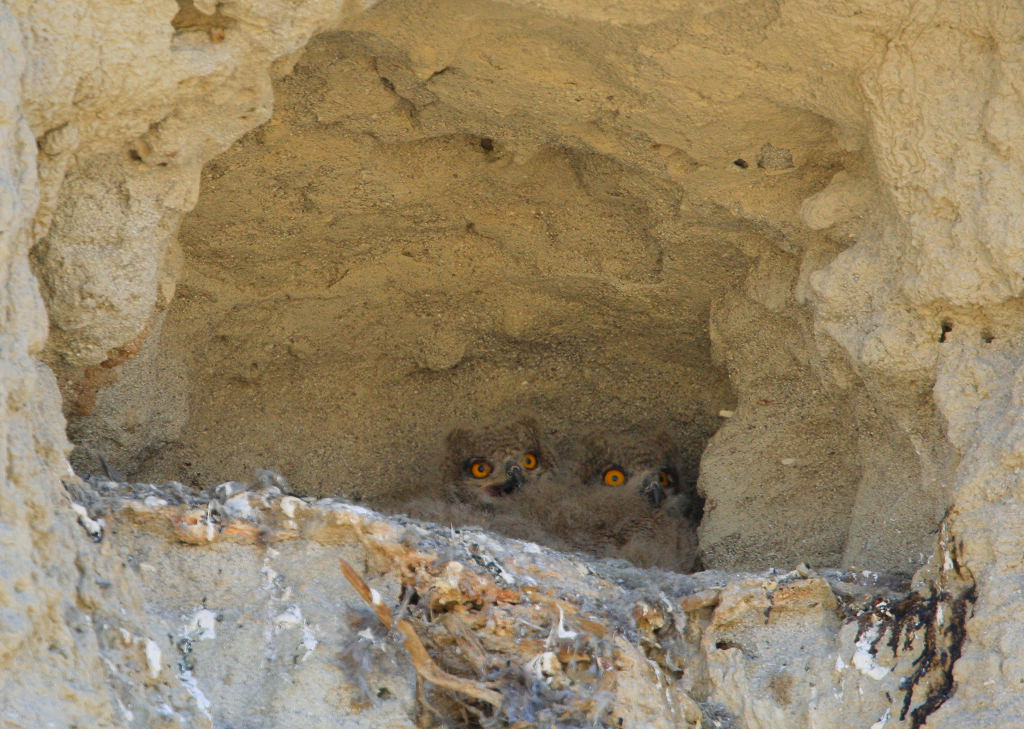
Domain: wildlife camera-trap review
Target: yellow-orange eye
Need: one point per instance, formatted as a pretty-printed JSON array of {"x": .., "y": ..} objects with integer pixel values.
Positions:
[
  {"x": 529, "y": 461},
  {"x": 480, "y": 469},
  {"x": 665, "y": 479},
  {"x": 614, "y": 477}
]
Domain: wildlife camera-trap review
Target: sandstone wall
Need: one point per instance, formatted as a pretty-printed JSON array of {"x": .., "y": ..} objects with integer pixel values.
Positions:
[
  {"x": 872, "y": 346},
  {"x": 83, "y": 86},
  {"x": 430, "y": 234}
]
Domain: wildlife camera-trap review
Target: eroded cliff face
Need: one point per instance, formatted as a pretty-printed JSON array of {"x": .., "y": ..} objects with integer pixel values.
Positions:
[
  {"x": 432, "y": 234},
  {"x": 608, "y": 216}
]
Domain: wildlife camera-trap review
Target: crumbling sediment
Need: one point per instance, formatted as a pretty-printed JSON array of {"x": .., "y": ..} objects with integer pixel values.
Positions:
[{"x": 869, "y": 293}]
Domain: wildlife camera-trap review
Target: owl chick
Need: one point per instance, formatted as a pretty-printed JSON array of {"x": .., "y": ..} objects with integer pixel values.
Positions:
[
  {"x": 627, "y": 501},
  {"x": 635, "y": 464},
  {"x": 489, "y": 465},
  {"x": 486, "y": 479}
]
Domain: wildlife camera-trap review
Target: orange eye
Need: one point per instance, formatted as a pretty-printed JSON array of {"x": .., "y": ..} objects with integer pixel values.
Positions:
[
  {"x": 665, "y": 479},
  {"x": 529, "y": 461},
  {"x": 480, "y": 469},
  {"x": 614, "y": 477}
]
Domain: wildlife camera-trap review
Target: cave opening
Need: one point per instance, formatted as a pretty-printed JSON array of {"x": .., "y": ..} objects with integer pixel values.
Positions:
[{"x": 429, "y": 238}]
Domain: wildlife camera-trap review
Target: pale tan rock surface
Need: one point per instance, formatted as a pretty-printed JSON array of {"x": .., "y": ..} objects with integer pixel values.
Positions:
[
  {"x": 857, "y": 312},
  {"x": 433, "y": 233},
  {"x": 258, "y": 622}
]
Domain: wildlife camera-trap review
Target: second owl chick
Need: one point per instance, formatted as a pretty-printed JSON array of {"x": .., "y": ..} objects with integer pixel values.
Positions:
[
  {"x": 627, "y": 501},
  {"x": 644, "y": 465}
]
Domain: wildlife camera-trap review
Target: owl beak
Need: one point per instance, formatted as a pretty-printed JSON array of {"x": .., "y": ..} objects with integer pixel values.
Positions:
[
  {"x": 513, "y": 483},
  {"x": 652, "y": 490}
]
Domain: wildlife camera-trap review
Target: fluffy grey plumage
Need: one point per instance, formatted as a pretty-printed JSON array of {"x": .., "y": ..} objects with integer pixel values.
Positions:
[
  {"x": 487, "y": 477},
  {"x": 503, "y": 446},
  {"x": 625, "y": 500},
  {"x": 616, "y": 496}
]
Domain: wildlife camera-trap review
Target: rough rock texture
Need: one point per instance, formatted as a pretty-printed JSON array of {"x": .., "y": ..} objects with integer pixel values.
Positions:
[
  {"x": 863, "y": 303},
  {"x": 253, "y": 578},
  {"x": 434, "y": 233},
  {"x": 83, "y": 87},
  {"x": 410, "y": 280}
]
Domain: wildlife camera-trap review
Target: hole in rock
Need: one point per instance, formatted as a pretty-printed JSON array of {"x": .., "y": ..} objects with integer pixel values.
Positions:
[
  {"x": 405, "y": 273},
  {"x": 946, "y": 328}
]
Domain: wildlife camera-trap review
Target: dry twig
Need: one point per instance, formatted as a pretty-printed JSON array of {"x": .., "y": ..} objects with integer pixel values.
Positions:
[{"x": 421, "y": 660}]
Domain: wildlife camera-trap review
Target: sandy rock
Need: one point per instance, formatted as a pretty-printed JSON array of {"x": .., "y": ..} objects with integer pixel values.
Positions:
[
  {"x": 606, "y": 643},
  {"x": 864, "y": 324},
  {"x": 844, "y": 197}
]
